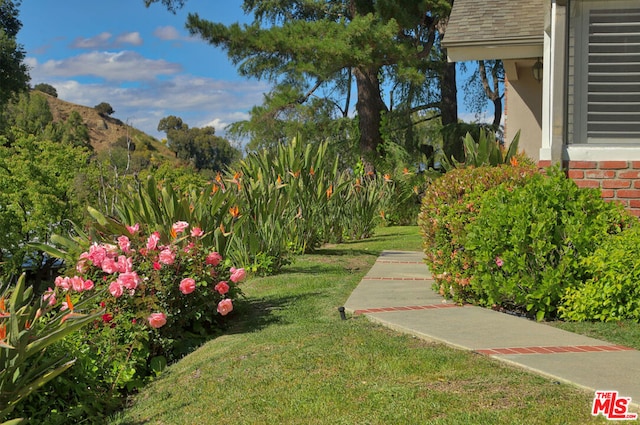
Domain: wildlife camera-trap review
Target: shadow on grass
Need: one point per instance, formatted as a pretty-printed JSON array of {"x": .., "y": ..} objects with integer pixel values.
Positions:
[
  {"x": 255, "y": 314},
  {"x": 346, "y": 251}
]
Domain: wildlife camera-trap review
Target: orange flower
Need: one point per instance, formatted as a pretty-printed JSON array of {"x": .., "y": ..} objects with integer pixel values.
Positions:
[
  {"x": 218, "y": 177},
  {"x": 329, "y": 191},
  {"x": 279, "y": 181},
  {"x": 3, "y": 331},
  {"x": 3, "y": 308},
  {"x": 405, "y": 171},
  {"x": 387, "y": 177},
  {"x": 69, "y": 303},
  {"x": 71, "y": 312},
  {"x": 215, "y": 188},
  {"x": 295, "y": 174},
  {"x": 514, "y": 161},
  {"x": 382, "y": 216},
  {"x": 234, "y": 211},
  {"x": 312, "y": 172}
]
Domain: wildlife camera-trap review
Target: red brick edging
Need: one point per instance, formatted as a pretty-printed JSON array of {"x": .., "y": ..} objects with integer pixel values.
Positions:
[
  {"x": 407, "y": 308},
  {"x": 399, "y": 262},
  {"x": 397, "y": 278},
  {"x": 553, "y": 350}
]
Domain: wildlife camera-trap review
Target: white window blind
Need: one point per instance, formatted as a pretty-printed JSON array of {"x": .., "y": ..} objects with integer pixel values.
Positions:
[{"x": 613, "y": 75}]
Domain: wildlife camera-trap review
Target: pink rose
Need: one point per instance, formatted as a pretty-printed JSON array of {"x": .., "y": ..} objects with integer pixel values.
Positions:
[
  {"x": 156, "y": 265},
  {"x": 157, "y": 320},
  {"x": 196, "y": 232},
  {"x": 225, "y": 307},
  {"x": 77, "y": 283},
  {"x": 167, "y": 256},
  {"x": 49, "y": 295},
  {"x": 97, "y": 254},
  {"x": 124, "y": 264},
  {"x": 129, "y": 280},
  {"x": 189, "y": 247},
  {"x": 109, "y": 266},
  {"x": 213, "y": 259},
  {"x": 187, "y": 285},
  {"x": 63, "y": 282},
  {"x": 237, "y": 275},
  {"x": 179, "y": 226},
  {"x": 124, "y": 243},
  {"x": 115, "y": 289},
  {"x": 88, "y": 285},
  {"x": 152, "y": 242},
  {"x": 499, "y": 262},
  {"x": 133, "y": 229},
  {"x": 222, "y": 287}
]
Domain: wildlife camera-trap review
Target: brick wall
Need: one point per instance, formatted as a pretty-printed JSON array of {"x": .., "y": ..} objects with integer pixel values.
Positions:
[{"x": 618, "y": 180}]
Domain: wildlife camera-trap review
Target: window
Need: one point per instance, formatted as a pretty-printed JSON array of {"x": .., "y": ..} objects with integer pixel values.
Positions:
[{"x": 604, "y": 72}]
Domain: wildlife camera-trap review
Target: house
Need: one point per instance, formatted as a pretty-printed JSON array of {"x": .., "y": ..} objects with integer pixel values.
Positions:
[{"x": 572, "y": 82}]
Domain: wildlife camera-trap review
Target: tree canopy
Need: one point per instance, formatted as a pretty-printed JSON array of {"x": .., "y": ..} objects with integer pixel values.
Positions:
[
  {"x": 330, "y": 45},
  {"x": 14, "y": 75},
  {"x": 199, "y": 146},
  {"x": 46, "y": 88}
]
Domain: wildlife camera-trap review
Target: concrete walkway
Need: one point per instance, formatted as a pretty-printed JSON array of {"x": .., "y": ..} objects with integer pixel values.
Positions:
[{"x": 397, "y": 293}]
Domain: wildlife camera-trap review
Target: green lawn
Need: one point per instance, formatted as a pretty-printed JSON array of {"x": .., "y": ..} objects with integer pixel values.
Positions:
[{"x": 287, "y": 358}]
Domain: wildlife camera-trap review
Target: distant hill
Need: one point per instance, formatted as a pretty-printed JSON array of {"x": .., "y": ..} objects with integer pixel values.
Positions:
[{"x": 106, "y": 132}]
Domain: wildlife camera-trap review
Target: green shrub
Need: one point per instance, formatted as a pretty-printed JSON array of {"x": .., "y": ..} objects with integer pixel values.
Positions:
[
  {"x": 449, "y": 204},
  {"x": 612, "y": 292},
  {"x": 528, "y": 242}
]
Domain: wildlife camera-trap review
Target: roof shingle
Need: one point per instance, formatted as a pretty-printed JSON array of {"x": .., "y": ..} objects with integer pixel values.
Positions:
[{"x": 494, "y": 22}]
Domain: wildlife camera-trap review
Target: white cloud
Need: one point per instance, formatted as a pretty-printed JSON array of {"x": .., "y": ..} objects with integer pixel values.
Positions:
[
  {"x": 105, "y": 40},
  {"x": 200, "y": 102},
  {"x": 132, "y": 38},
  {"x": 111, "y": 66},
  {"x": 96, "y": 42},
  {"x": 167, "y": 33},
  {"x": 170, "y": 33}
]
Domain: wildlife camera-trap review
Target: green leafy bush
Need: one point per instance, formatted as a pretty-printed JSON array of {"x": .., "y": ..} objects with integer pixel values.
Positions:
[
  {"x": 528, "y": 242},
  {"x": 612, "y": 292},
  {"x": 449, "y": 204}
]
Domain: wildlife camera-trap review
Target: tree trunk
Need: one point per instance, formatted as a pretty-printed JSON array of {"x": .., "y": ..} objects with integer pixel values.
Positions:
[
  {"x": 370, "y": 107},
  {"x": 452, "y": 139},
  {"x": 449, "y": 92},
  {"x": 497, "y": 112}
]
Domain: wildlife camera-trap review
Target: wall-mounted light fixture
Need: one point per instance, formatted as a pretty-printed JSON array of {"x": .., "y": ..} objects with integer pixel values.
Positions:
[{"x": 537, "y": 70}]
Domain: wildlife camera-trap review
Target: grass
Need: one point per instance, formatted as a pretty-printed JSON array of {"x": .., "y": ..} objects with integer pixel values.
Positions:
[
  {"x": 625, "y": 333},
  {"x": 287, "y": 358}
]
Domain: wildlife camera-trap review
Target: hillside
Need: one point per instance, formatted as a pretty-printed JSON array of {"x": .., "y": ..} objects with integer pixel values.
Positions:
[{"x": 106, "y": 131}]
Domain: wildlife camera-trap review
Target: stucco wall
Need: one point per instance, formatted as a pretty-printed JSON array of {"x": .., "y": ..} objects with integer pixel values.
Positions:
[{"x": 523, "y": 111}]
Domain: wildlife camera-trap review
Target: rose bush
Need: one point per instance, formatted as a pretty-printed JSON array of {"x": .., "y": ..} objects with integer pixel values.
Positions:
[{"x": 172, "y": 291}]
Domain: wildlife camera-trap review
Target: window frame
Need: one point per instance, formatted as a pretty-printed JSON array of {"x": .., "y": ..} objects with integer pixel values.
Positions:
[{"x": 577, "y": 74}]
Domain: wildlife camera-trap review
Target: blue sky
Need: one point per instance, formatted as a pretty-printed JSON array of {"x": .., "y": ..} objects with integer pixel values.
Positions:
[{"x": 140, "y": 60}]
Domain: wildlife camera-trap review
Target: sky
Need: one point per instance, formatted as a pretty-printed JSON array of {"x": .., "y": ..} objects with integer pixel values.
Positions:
[{"x": 139, "y": 60}]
